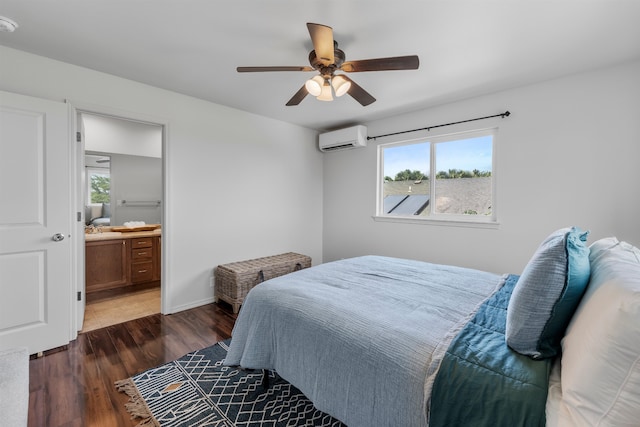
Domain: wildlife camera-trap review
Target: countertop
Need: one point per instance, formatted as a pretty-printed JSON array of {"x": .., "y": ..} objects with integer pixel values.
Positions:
[{"x": 107, "y": 234}]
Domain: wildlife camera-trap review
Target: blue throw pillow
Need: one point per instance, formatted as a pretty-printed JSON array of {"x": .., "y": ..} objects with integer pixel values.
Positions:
[{"x": 547, "y": 294}]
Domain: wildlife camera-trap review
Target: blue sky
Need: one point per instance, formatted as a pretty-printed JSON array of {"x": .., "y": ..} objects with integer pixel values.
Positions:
[{"x": 465, "y": 154}]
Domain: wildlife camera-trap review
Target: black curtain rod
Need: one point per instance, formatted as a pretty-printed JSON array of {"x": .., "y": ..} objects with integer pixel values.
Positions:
[{"x": 503, "y": 115}]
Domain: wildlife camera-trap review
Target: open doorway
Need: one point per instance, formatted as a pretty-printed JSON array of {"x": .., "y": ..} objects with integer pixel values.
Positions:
[{"x": 122, "y": 196}]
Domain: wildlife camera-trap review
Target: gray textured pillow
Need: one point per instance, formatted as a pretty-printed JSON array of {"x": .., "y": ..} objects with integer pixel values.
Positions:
[{"x": 547, "y": 294}]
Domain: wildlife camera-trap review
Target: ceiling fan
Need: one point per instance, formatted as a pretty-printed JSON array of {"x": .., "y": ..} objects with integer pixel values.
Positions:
[{"x": 327, "y": 59}]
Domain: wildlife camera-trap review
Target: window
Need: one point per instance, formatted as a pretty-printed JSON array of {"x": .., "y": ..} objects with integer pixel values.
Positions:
[
  {"x": 441, "y": 178},
  {"x": 98, "y": 185}
]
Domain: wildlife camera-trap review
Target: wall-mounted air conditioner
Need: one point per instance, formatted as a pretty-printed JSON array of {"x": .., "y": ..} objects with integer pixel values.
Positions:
[{"x": 342, "y": 139}]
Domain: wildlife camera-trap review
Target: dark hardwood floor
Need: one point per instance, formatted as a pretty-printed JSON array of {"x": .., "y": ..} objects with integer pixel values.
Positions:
[{"x": 74, "y": 387}]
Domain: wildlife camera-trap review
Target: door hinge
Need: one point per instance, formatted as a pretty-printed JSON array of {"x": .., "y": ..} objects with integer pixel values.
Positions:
[
  {"x": 78, "y": 137},
  {"x": 79, "y": 296},
  {"x": 79, "y": 216}
]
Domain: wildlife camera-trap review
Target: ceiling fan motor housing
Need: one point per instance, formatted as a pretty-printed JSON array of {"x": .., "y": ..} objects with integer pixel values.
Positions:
[{"x": 327, "y": 70}]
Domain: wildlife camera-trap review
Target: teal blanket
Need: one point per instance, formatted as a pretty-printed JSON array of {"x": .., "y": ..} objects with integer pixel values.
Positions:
[{"x": 482, "y": 382}]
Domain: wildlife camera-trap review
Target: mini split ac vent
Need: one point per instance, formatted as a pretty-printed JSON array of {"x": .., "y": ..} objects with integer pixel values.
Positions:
[{"x": 344, "y": 139}]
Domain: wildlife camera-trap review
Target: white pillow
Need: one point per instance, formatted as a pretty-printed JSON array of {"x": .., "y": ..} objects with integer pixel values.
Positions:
[{"x": 600, "y": 373}]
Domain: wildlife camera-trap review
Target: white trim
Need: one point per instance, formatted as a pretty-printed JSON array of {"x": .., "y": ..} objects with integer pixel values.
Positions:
[
  {"x": 76, "y": 266},
  {"x": 83, "y": 107},
  {"x": 439, "y": 222},
  {"x": 118, "y": 113},
  {"x": 191, "y": 305}
]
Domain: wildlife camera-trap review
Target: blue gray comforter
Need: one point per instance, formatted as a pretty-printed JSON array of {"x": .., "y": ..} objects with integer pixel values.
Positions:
[{"x": 362, "y": 338}]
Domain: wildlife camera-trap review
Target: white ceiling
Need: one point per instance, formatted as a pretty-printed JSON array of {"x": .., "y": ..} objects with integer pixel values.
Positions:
[{"x": 466, "y": 47}]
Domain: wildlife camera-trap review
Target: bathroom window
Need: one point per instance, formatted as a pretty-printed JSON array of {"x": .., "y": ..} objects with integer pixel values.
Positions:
[{"x": 99, "y": 185}]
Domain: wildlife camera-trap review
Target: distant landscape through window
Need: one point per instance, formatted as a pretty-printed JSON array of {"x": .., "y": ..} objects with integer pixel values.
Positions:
[{"x": 445, "y": 177}]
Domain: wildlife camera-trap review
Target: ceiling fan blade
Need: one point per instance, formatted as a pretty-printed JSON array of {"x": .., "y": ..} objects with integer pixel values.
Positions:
[
  {"x": 410, "y": 62},
  {"x": 359, "y": 94},
  {"x": 322, "y": 38},
  {"x": 260, "y": 69},
  {"x": 298, "y": 97}
]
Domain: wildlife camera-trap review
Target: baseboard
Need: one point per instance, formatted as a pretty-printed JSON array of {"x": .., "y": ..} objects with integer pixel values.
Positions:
[{"x": 190, "y": 305}]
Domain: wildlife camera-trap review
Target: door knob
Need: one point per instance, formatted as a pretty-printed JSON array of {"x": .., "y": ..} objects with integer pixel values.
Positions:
[{"x": 57, "y": 237}]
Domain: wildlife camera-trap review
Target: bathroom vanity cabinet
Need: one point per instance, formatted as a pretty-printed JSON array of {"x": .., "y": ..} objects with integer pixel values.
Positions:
[{"x": 121, "y": 260}]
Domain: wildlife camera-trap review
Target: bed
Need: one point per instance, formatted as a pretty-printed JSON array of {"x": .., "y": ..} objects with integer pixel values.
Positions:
[{"x": 381, "y": 341}]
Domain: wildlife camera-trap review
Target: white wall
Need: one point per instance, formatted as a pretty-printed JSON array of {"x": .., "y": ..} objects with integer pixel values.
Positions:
[
  {"x": 239, "y": 185},
  {"x": 111, "y": 135},
  {"x": 135, "y": 178},
  {"x": 568, "y": 155}
]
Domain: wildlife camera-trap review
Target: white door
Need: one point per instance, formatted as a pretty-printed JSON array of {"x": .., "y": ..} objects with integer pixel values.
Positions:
[{"x": 35, "y": 222}]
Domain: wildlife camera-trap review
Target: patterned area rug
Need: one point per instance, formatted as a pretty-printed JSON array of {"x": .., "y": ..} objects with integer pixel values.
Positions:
[{"x": 197, "y": 390}]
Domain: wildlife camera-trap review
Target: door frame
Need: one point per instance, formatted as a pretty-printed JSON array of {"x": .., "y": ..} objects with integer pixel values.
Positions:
[{"x": 78, "y": 272}]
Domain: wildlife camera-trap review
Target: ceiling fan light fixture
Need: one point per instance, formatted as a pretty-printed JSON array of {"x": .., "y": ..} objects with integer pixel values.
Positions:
[
  {"x": 314, "y": 85},
  {"x": 325, "y": 94},
  {"x": 340, "y": 85}
]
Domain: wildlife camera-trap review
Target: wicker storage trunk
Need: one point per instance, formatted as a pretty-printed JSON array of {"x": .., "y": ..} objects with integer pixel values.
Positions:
[{"x": 235, "y": 280}]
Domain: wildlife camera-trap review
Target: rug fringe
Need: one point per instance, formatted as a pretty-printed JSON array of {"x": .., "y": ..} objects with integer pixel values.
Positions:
[{"x": 136, "y": 405}]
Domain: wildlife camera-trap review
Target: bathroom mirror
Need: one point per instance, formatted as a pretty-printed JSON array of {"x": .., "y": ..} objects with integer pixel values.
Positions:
[{"x": 123, "y": 164}]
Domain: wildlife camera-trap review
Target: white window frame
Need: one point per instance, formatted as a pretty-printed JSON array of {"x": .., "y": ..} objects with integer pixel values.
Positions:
[{"x": 478, "y": 221}]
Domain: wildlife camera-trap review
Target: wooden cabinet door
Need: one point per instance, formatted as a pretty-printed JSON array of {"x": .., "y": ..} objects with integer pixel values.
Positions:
[{"x": 106, "y": 264}]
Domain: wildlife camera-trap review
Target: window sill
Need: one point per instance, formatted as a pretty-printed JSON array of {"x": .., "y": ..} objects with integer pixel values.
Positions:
[{"x": 447, "y": 222}]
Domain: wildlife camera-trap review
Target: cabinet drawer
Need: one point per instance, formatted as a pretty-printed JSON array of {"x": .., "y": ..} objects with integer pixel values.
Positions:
[
  {"x": 141, "y": 254},
  {"x": 141, "y": 242},
  {"x": 141, "y": 272}
]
